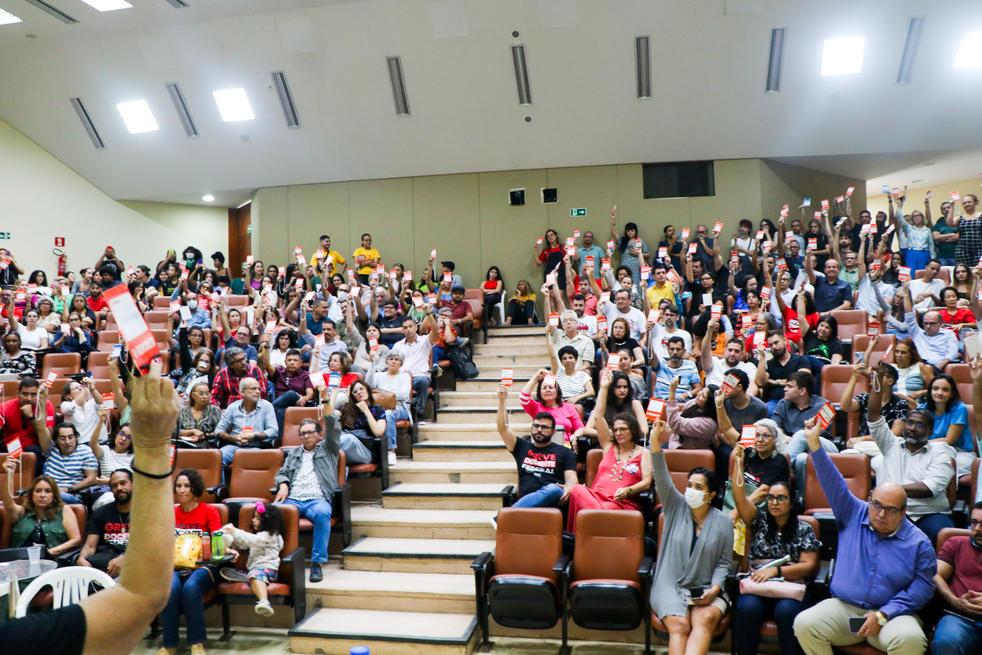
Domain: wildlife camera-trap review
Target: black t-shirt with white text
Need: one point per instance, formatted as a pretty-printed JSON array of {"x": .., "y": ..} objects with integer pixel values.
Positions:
[
  {"x": 112, "y": 527},
  {"x": 538, "y": 467}
]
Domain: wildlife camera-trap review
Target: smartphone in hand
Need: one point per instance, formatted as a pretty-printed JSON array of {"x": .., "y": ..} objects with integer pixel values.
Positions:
[{"x": 855, "y": 623}]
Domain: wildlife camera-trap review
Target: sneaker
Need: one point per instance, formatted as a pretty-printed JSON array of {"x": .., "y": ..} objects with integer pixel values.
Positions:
[
  {"x": 197, "y": 649},
  {"x": 392, "y": 458},
  {"x": 494, "y": 521},
  {"x": 316, "y": 575},
  {"x": 263, "y": 608},
  {"x": 233, "y": 574},
  {"x": 167, "y": 651}
]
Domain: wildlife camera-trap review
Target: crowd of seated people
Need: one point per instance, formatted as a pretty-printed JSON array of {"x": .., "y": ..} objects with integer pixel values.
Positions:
[
  {"x": 738, "y": 351},
  {"x": 727, "y": 345}
]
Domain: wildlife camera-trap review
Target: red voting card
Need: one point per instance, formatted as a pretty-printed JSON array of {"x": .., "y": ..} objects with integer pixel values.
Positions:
[
  {"x": 507, "y": 376},
  {"x": 826, "y": 415},
  {"x": 613, "y": 361},
  {"x": 748, "y": 435},
  {"x": 656, "y": 408}
]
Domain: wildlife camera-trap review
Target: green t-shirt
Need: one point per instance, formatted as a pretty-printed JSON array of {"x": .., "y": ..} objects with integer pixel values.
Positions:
[{"x": 945, "y": 250}]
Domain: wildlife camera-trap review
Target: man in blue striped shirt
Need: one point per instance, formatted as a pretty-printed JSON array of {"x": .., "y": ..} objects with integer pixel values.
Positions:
[
  {"x": 883, "y": 573},
  {"x": 73, "y": 466}
]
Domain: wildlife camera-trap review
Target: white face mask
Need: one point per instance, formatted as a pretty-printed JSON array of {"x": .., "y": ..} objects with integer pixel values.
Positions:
[
  {"x": 192, "y": 305},
  {"x": 695, "y": 498}
]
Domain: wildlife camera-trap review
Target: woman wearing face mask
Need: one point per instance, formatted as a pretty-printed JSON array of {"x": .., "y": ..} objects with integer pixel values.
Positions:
[
  {"x": 951, "y": 420},
  {"x": 687, "y": 593},
  {"x": 624, "y": 471},
  {"x": 969, "y": 226},
  {"x": 775, "y": 532},
  {"x": 549, "y": 398},
  {"x": 201, "y": 369}
]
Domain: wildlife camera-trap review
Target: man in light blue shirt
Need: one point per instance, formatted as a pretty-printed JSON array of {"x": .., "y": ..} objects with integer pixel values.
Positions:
[
  {"x": 589, "y": 249},
  {"x": 935, "y": 346},
  {"x": 676, "y": 367},
  {"x": 247, "y": 423}
]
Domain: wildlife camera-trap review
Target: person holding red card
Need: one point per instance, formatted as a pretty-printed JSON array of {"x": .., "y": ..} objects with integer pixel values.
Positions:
[{"x": 549, "y": 398}]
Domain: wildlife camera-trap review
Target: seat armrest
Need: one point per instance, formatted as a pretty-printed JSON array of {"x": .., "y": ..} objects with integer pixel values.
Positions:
[
  {"x": 219, "y": 490},
  {"x": 483, "y": 562},
  {"x": 563, "y": 566},
  {"x": 647, "y": 568},
  {"x": 511, "y": 495}
]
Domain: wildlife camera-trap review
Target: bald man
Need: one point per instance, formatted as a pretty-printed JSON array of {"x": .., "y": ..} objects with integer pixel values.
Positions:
[
  {"x": 935, "y": 346},
  {"x": 883, "y": 574}
]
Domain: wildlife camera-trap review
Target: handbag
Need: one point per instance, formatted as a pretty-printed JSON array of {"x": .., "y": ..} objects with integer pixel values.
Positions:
[
  {"x": 187, "y": 551},
  {"x": 773, "y": 588}
]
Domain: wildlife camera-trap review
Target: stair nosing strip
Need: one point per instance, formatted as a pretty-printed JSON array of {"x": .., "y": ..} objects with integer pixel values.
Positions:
[
  {"x": 404, "y": 639},
  {"x": 390, "y": 555}
]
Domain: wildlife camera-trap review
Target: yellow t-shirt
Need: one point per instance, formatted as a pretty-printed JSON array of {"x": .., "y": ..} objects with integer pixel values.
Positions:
[
  {"x": 336, "y": 260},
  {"x": 656, "y": 295},
  {"x": 366, "y": 255}
]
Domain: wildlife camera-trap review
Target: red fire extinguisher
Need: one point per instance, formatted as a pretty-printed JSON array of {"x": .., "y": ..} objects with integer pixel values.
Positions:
[{"x": 62, "y": 261}]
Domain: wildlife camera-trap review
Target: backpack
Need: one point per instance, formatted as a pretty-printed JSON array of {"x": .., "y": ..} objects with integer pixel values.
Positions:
[{"x": 463, "y": 366}]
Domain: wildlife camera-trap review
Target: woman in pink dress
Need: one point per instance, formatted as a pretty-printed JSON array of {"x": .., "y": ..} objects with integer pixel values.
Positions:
[{"x": 625, "y": 470}]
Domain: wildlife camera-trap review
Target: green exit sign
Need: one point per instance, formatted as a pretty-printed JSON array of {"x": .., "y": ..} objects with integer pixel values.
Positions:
[{"x": 577, "y": 211}]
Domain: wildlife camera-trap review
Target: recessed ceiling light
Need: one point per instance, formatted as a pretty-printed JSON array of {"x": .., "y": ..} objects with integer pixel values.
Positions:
[
  {"x": 137, "y": 116},
  {"x": 7, "y": 18},
  {"x": 208, "y": 197},
  {"x": 108, "y": 5},
  {"x": 916, "y": 181},
  {"x": 233, "y": 105},
  {"x": 843, "y": 56},
  {"x": 970, "y": 51}
]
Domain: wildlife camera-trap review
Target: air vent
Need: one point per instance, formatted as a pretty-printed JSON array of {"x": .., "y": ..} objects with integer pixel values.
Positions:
[
  {"x": 914, "y": 29},
  {"x": 286, "y": 100},
  {"x": 180, "y": 4},
  {"x": 775, "y": 60},
  {"x": 182, "y": 109},
  {"x": 516, "y": 197},
  {"x": 398, "y": 85},
  {"x": 549, "y": 195},
  {"x": 521, "y": 75},
  {"x": 57, "y": 13},
  {"x": 642, "y": 65},
  {"x": 87, "y": 123}
]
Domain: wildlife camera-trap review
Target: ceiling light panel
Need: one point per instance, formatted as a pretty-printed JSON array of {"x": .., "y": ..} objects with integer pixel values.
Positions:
[
  {"x": 642, "y": 65},
  {"x": 521, "y": 75},
  {"x": 181, "y": 107},
  {"x": 137, "y": 116},
  {"x": 233, "y": 104},
  {"x": 54, "y": 11},
  {"x": 398, "y": 85},
  {"x": 775, "y": 61},
  {"x": 108, "y": 5},
  {"x": 914, "y": 29},
  {"x": 286, "y": 100},
  {"x": 87, "y": 123},
  {"x": 843, "y": 56},
  {"x": 7, "y": 18},
  {"x": 970, "y": 51}
]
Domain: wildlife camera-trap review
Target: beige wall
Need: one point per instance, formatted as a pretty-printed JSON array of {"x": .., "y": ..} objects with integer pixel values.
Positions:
[
  {"x": 43, "y": 199},
  {"x": 784, "y": 183},
  {"x": 939, "y": 193},
  {"x": 467, "y": 218}
]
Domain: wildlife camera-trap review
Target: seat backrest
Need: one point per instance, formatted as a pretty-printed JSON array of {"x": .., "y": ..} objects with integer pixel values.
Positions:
[
  {"x": 237, "y": 300},
  {"x": 161, "y": 302},
  {"x": 593, "y": 457},
  {"x": 9, "y": 388},
  {"x": 609, "y": 544},
  {"x": 62, "y": 364},
  {"x": 854, "y": 468},
  {"x": 529, "y": 541},
  {"x": 162, "y": 337},
  {"x": 942, "y": 275},
  {"x": 852, "y": 322},
  {"x": 206, "y": 461},
  {"x": 680, "y": 462},
  {"x": 69, "y": 585},
  {"x": 834, "y": 382},
  {"x": 252, "y": 472},
  {"x": 107, "y": 340},
  {"x": 291, "y": 424},
  {"x": 98, "y": 365},
  {"x": 474, "y": 294},
  {"x": 291, "y": 521},
  {"x": 157, "y": 319},
  {"x": 861, "y": 341},
  {"x": 948, "y": 533},
  {"x": 80, "y": 516}
]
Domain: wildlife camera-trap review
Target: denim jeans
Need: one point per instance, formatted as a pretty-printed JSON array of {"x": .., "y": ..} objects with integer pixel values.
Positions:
[
  {"x": 319, "y": 512},
  {"x": 421, "y": 385},
  {"x": 280, "y": 405},
  {"x": 956, "y": 635},
  {"x": 547, "y": 496},
  {"x": 186, "y": 596},
  {"x": 752, "y": 611},
  {"x": 391, "y": 416},
  {"x": 931, "y": 524},
  {"x": 354, "y": 450}
]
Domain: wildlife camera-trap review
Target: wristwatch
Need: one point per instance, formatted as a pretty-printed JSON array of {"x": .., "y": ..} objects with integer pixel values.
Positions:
[{"x": 881, "y": 618}]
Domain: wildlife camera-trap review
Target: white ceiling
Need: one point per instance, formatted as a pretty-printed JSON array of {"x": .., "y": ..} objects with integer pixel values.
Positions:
[{"x": 708, "y": 70}]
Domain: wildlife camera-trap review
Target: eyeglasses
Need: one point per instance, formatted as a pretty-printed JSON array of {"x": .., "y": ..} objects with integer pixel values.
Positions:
[
  {"x": 780, "y": 498},
  {"x": 932, "y": 322},
  {"x": 975, "y": 522},
  {"x": 540, "y": 427},
  {"x": 308, "y": 433},
  {"x": 621, "y": 429},
  {"x": 879, "y": 507}
]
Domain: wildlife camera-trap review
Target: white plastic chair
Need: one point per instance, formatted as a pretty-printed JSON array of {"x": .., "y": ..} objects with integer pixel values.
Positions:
[{"x": 70, "y": 585}]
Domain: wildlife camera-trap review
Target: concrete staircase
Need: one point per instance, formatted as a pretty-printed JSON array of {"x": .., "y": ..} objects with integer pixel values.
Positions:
[{"x": 405, "y": 584}]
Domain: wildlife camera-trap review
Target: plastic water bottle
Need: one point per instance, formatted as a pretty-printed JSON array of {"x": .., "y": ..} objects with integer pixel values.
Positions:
[
  {"x": 217, "y": 545},
  {"x": 205, "y": 547},
  {"x": 359, "y": 650}
]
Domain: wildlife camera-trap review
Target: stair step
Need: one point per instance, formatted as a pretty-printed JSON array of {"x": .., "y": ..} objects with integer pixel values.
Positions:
[
  {"x": 424, "y": 592},
  {"x": 336, "y": 631},
  {"x": 510, "y": 360},
  {"x": 414, "y": 555},
  {"x": 430, "y": 431},
  {"x": 456, "y": 399},
  {"x": 453, "y": 472},
  {"x": 514, "y": 347},
  {"x": 512, "y": 331},
  {"x": 444, "y": 496},
  {"x": 475, "y": 414},
  {"x": 488, "y": 381},
  {"x": 461, "y": 451},
  {"x": 376, "y": 521}
]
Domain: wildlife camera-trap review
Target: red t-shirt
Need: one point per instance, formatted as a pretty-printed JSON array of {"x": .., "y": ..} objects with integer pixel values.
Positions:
[
  {"x": 16, "y": 425},
  {"x": 97, "y": 304},
  {"x": 967, "y": 562},
  {"x": 961, "y": 315},
  {"x": 791, "y": 326},
  {"x": 203, "y": 518}
]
